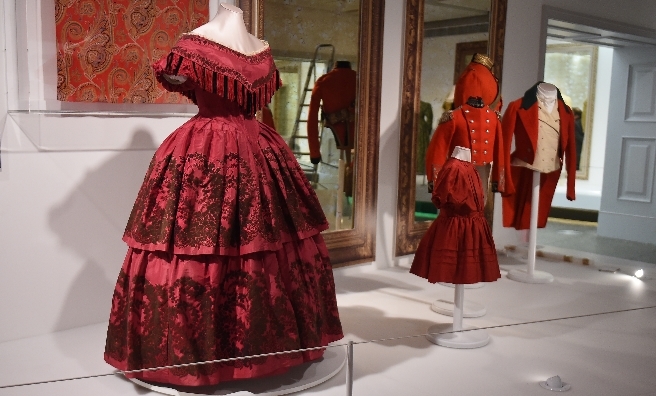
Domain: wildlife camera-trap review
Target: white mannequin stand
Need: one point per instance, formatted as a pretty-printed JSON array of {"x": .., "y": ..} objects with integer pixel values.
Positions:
[
  {"x": 547, "y": 95},
  {"x": 470, "y": 309},
  {"x": 297, "y": 379},
  {"x": 468, "y": 286},
  {"x": 455, "y": 338}
]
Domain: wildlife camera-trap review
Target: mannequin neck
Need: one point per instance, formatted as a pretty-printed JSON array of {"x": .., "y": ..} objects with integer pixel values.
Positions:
[
  {"x": 227, "y": 28},
  {"x": 342, "y": 65},
  {"x": 547, "y": 95},
  {"x": 461, "y": 153}
]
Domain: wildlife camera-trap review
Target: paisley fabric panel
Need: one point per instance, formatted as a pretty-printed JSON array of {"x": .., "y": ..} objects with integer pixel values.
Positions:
[
  {"x": 171, "y": 309},
  {"x": 105, "y": 49},
  {"x": 223, "y": 185}
]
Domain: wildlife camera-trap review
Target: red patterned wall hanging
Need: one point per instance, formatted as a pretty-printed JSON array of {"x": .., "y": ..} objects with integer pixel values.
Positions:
[{"x": 105, "y": 48}]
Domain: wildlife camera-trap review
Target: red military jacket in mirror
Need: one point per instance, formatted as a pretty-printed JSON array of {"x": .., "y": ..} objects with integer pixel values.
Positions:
[{"x": 475, "y": 128}]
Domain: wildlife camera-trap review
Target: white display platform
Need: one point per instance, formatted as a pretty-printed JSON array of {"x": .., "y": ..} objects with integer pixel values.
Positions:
[
  {"x": 470, "y": 309},
  {"x": 522, "y": 275},
  {"x": 469, "y": 339},
  {"x": 297, "y": 379},
  {"x": 469, "y": 286}
]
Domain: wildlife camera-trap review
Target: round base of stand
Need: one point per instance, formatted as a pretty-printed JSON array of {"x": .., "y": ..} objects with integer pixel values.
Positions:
[
  {"x": 470, "y": 309},
  {"x": 469, "y": 339},
  {"x": 521, "y": 275},
  {"x": 467, "y": 286},
  {"x": 296, "y": 379}
]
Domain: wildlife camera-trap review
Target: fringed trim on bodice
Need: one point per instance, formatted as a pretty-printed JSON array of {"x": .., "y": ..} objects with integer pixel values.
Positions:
[{"x": 216, "y": 78}]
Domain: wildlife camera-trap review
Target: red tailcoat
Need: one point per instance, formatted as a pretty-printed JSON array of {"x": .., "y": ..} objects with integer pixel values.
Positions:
[
  {"x": 478, "y": 129},
  {"x": 335, "y": 90},
  {"x": 521, "y": 121}
]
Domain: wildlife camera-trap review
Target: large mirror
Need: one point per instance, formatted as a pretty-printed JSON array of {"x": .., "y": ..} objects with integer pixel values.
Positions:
[
  {"x": 329, "y": 54},
  {"x": 441, "y": 38}
]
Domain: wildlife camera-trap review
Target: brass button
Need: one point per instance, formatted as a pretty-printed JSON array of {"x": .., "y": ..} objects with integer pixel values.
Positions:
[
  {"x": 485, "y": 141},
  {"x": 466, "y": 111},
  {"x": 487, "y": 131},
  {"x": 471, "y": 121},
  {"x": 473, "y": 141},
  {"x": 487, "y": 120},
  {"x": 484, "y": 151}
]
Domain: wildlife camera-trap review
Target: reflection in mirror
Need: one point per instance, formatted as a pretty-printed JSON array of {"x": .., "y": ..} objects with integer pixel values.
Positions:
[
  {"x": 572, "y": 68},
  {"x": 441, "y": 38},
  {"x": 453, "y": 31},
  {"x": 315, "y": 47}
]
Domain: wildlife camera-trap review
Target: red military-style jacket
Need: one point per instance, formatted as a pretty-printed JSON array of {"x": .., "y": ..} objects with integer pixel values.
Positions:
[
  {"x": 521, "y": 121},
  {"x": 476, "y": 128},
  {"x": 335, "y": 91}
]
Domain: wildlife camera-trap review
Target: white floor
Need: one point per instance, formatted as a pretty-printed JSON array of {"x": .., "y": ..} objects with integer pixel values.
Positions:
[{"x": 597, "y": 330}]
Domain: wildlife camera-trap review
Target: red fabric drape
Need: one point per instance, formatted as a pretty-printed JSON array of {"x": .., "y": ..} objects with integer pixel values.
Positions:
[{"x": 105, "y": 48}]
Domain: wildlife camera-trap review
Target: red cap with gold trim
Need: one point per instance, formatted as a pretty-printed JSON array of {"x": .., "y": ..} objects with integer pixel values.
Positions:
[{"x": 478, "y": 81}]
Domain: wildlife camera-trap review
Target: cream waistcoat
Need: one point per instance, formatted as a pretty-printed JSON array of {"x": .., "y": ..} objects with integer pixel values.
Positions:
[{"x": 546, "y": 153}]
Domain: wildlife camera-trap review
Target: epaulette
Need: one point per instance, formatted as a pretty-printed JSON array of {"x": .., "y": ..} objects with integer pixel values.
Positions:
[
  {"x": 446, "y": 117},
  {"x": 498, "y": 114}
]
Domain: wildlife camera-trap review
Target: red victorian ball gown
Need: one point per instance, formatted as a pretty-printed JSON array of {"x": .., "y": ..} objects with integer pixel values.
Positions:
[
  {"x": 458, "y": 247},
  {"x": 225, "y": 255}
]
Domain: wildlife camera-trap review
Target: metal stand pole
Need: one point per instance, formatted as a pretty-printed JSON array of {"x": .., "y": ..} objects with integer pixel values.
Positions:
[
  {"x": 349, "y": 369},
  {"x": 459, "y": 301},
  {"x": 530, "y": 275},
  {"x": 339, "y": 205},
  {"x": 533, "y": 233}
]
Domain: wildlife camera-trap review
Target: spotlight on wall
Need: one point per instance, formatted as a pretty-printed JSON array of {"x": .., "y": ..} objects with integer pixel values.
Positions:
[{"x": 639, "y": 273}]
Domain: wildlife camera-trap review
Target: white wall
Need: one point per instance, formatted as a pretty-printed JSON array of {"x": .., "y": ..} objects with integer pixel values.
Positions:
[
  {"x": 67, "y": 186},
  {"x": 390, "y": 122}
]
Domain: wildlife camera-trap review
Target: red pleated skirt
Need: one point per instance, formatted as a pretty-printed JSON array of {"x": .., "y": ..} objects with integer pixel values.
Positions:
[{"x": 225, "y": 259}]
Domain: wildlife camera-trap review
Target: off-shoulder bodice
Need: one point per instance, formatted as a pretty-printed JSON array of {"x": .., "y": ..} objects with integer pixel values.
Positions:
[{"x": 249, "y": 80}]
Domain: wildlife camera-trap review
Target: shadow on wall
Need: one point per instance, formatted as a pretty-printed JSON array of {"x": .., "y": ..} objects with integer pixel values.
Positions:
[{"x": 90, "y": 221}]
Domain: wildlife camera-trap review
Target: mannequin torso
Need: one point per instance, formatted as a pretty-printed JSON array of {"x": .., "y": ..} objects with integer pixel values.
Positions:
[{"x": 227, "y": 28}]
